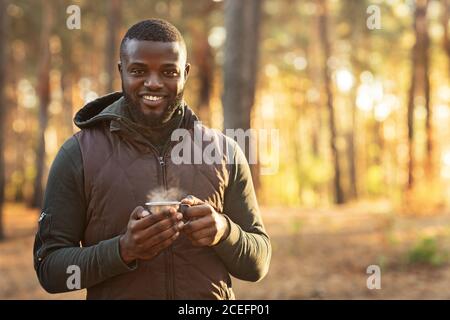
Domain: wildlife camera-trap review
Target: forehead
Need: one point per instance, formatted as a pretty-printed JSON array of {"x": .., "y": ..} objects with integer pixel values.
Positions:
[{"x": 150, "y": 51}]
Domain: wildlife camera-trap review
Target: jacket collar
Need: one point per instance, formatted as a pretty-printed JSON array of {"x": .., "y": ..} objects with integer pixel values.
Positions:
[{"x": 111, "y": 108}]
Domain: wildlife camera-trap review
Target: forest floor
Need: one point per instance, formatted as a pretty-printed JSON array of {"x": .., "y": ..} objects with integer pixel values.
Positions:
[{"x": 317, "y": 254}]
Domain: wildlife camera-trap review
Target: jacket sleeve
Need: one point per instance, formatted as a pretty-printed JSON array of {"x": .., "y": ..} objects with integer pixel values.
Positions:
[
  {"x": 246, "y": 251},
  {"x": 60, "y": 262}
]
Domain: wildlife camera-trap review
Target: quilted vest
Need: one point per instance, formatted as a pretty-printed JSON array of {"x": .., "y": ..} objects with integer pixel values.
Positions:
[{"x": 119, "y": 173}]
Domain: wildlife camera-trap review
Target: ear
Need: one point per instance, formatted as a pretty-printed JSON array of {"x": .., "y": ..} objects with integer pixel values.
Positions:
[
  {"x": 119, "y": 67},
  {"x": 187, "y": 68}
]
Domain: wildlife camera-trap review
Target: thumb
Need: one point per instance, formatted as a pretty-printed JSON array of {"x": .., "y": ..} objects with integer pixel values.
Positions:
[
  {"x": 192, "y": 200},
  {"x": 138, "y": 213}
]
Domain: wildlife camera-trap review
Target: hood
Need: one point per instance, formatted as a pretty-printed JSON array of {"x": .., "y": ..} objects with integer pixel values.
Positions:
[
  {"x": 110, "y": 107},
  {"x": 103, "y": 108}
]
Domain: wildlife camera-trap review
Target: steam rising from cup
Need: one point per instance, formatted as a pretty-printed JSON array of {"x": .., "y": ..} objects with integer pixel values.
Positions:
[{"x": 160, "y": 199}]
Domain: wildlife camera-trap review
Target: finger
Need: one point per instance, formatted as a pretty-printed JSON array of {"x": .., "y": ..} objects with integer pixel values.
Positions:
[
  {"x": 161, "y": 237},
  {"x": 203, "y": 233},
  {"x": 196, "y": 225},
  {"x": 198, "y": 211},
  {"x": 169, "y": 214},
  {"x": 143, "y": 214},
  {"x": 156, "y": 249},
  {"x": 182, "y": 208},
  {"x": 191, "y": 200},
  {"x": 159, "y": 228},
  {"x": 147, "y": 221},
  {"x": 137, "y": 212},
  {"x": 204, "y": 242},
  {"x": 163, "y": 209}
]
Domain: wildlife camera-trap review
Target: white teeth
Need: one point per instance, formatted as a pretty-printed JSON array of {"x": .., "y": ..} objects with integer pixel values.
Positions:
[{"x": 152, "y": 98}]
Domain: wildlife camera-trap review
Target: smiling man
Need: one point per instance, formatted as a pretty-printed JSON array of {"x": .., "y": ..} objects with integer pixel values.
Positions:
[{"x": 93, "y": 216}]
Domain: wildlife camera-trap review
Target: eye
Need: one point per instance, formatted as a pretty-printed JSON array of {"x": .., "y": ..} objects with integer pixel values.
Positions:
[
  {"x": 136, "y": 72},
  {"x": 171, "y": 73}
]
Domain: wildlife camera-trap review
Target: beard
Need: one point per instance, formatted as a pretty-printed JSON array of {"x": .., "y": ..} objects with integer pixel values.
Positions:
[{"x": 151, "y": 120}]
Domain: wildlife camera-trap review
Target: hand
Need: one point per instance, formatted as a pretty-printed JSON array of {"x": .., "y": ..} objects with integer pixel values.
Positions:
[
  {"x": 148, "y": 234},
  {"x": 205, "y": 227}
]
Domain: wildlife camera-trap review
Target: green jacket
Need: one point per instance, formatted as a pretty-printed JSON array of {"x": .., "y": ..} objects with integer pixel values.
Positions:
[{"x": 71, "y": 230}]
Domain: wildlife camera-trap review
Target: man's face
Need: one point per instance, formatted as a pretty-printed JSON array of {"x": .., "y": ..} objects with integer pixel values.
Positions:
[{"x": 153, "y": 75}]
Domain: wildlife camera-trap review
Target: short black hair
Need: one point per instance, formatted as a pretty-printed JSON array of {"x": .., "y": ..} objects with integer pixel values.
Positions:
[{"x": 153, "y": 30}]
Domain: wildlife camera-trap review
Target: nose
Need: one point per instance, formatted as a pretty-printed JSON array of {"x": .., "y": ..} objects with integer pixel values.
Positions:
[{"x": 153, "y": 81}]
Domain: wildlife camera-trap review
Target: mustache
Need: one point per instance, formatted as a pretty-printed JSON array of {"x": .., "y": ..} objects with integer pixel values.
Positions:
[
  {"x": 162, "y": 94},
  {"x": 151, "y": 120}
]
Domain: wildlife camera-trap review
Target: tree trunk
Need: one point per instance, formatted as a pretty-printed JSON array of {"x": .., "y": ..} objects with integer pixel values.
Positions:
[
  {"x": 351, "y": 141},
  {"x": 242, "y": 23},
  {"x": 313, "y": 72},
  {"x": 43, "y": 91},
  {"x": 111, "y": 54},
  {"x": 204, "y": 60},
  {"x": 20, "y": 136},
  {"x": 350, "y": 11},
  {"x": 352, "y": 147},
  {"x": 3, "y": 38},
  {"x": 419, "y": 65},
  {"x": 66, "y": 89},
  {"x": 425, "y": 40},
  {"x": 314, "y": 69},
  {"x": 410, "y": 120},
  {"x": 410, "y": 116},
  {"x": 69, "y": 77},
  {"x": 446, "y": 39},
  {"x": 351, "y": 152},
  {"x": 322, "y": 15}
]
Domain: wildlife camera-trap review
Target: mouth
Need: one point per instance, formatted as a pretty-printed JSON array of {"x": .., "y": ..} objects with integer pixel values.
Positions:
[{"x": 152, "y": 100}]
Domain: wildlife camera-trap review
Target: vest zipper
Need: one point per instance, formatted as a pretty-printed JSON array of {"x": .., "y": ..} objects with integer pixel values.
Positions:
[{"x": 169, "y": 255}]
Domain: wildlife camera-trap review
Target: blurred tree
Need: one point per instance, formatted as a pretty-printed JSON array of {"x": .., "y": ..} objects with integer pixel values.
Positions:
[
  {"x": 3, "y": 39},
  {"x": 70, "y": 39},
  {"x": 242, "y": 24},
  {"x": 424, "y": 54},
  {"x": 20, "y": 136},
  {"x": 68, "y": 81},
  {"x": 411, "y": 95},
  {"x": 325, "y": 42},
  {"x": 445, "y": 24},
  {"x": 204, "y": 61},
  {"x": 111, "y": 52},
  {"x": 352, "y": 15},
  {"x": 419, "y": 75},
  {"x": 316, "y": 100},
  {"x": 196, "y": 32},
  {"x": 43, "y": 91}
]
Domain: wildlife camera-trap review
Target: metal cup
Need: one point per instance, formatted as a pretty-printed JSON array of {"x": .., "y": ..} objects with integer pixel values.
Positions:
[{"x": 158, "y": 206}]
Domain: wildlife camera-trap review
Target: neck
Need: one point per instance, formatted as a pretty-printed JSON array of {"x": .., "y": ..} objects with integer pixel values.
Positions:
[{"x": 159, "y": 132}]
